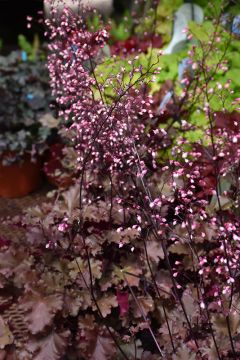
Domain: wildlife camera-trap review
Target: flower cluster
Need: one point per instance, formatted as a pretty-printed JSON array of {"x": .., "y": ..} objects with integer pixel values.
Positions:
[{"x": 103, "y": 133}]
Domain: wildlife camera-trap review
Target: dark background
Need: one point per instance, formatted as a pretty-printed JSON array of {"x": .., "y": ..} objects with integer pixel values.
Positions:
[{"x": 13, "y": 21}]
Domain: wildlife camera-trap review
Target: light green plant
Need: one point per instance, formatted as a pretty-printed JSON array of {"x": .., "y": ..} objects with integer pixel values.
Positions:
[{"x": 31, "y": 49}]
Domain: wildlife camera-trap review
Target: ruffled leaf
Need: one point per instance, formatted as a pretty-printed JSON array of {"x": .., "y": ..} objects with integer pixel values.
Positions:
[
  {"x": 106, "y": 303},
  {"x": 51, "y": 347},
  {"x": 41, "y": 310},
  {"x": 6, "y": 337}
]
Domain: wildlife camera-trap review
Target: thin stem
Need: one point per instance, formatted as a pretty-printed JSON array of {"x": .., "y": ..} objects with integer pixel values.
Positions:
[
  {"x": 96, "y": 303},
  {"x": 143, "y": 315},
  {"x": 156, "y": 287}
]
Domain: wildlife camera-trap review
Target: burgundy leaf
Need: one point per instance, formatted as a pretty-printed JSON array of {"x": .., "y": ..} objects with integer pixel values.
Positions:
[{"x": 122, "y": 298}]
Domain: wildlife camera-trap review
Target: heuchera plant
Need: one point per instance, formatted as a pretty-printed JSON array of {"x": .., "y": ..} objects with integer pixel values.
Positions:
[{"x": 140, "y": 258}]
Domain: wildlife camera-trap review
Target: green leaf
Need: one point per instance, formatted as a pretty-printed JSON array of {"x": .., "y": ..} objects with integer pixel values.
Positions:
[
  {"x": 194, "y": 135},
  {"x": 94, "y": 22},
  {"x": 198, "y": 118},
  {"x": 201, "y": 31},
  {"x": 122, "y": 31},
  {"x": 24, "y": 44}
]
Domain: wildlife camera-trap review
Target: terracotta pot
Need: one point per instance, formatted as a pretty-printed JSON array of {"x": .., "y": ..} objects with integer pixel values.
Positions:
[{"x": 19, "y": 179}]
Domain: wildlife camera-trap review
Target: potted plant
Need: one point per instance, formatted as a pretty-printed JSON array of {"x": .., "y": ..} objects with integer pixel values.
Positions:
[{"x": 26, "y": 124}]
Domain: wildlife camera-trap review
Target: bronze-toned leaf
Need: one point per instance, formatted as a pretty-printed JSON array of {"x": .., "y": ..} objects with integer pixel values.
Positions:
[
  {"x": 40, "y": 310},
  {"x": 130, "y": 273},
  {"x": 79, "y": 268},
  {"x": 51, "y": 347},
  {"x": 106, "y": 303},
  {"x": 6, "y": 336},
  {"x": 184, "y": 353},
  {"x": 144, "y": 303},
  {"x": 96, "y": 344},
  {"x": 154, "y": 250}
]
